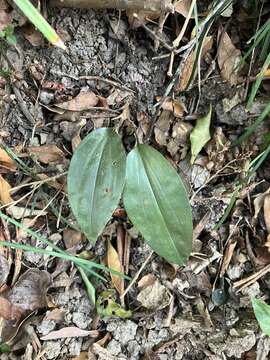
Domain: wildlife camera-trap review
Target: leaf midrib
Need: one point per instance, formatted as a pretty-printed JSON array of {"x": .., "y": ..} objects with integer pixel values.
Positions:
[{"x": 159, "y": 210}]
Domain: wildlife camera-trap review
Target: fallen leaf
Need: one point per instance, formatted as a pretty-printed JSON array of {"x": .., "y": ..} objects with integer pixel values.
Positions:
[
  {"x": 4, "y": 269},
  {"x": 29, "y": 293},
  {"x": 5, "y": 188},
  {"x": 266, "y": 209},
  {"x": 228, "y": 57},
  {"x": 83, "y": 356},
  {"x": 71, "y": 237},
  {"x": 46, "y": 154},
  {"x": 5, "y": 19},
  {"x": 8, "y": 311},
  {"x": 200, "y": 135},
  {"x": 32, "y": 35},
  {"x": 56, "y": 315},
  {"x": 182, "y": 7},
  {"x": 147, "y": 280},
  {"x": 114, "y": 263},
  {"x": 162, "y": 127},
  {"x": 155, "y": 296},
  {"x": 81, "y": 102},
  {"x": 70, "y": 332},
  {"x": 6, "y": 162},
  {"x": 107, "y": 306},
  {"x": 177, "y": 107},
  {"x": 188, "y": 65}
]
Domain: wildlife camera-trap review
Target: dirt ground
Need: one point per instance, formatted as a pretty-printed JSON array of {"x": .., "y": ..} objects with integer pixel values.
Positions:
[{"x": 194, "y": 312}]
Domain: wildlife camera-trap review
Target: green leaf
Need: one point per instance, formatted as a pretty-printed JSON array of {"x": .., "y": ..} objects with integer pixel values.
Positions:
[
  {"x": 200, "y": 135},
  {"x": 157, "y": 203},
  {"x": 96, "y": 179},
  {"x": 262, "y": 313},
  {"x": 106, "y": 306}
]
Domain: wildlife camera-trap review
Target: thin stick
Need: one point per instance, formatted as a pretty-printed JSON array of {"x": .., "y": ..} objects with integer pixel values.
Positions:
[{"x": 137, "y": 275}]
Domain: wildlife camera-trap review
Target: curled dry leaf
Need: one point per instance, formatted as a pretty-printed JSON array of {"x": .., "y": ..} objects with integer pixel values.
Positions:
[
  {"x": 6, "y": 162},
  {"x": 32, "y": 35},
  {"x": 114, "y": 263},
  {"x": 155, "y": 296},
  {"x": 4, "y": 269},
  {"x": 266, "y": 208},
  {"x": 8, "y": 311},
  {"x": 81, "y": 102},
  {"x": 28, "y": 294},
  {"x": 228, "y": 58},
  {"x": 69, "y": 332},
  {"x": 5, "y": 19},
  {"x": 46, "y": 153},
  {"x": 5, "y": 188},
  {"x": 182, "y": 7},
  {"x": 177, "y": 107},
  {"x": 188, "y": 65}
]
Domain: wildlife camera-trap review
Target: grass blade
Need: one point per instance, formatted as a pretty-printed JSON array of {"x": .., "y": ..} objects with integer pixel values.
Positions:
[{"x": 40, "y": 23}]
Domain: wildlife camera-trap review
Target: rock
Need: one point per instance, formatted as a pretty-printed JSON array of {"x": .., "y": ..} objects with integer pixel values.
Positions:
[
  {"x": 46, "y": 97},
  {"x": 46, "y": 326},
  {"x": 52, "y": 349},
  {"x": 114, "y": 347},
  {"x": 123, "y": 331}
]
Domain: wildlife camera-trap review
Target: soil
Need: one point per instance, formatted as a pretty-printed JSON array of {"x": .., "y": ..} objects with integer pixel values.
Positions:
[{"x": 200, "y": 315}]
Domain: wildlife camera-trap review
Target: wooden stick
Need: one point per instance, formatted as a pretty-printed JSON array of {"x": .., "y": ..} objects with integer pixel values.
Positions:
[{"x": 148, "y": 5}]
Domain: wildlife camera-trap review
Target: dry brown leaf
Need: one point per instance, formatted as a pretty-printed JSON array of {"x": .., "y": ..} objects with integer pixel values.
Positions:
[
  {"x": 182, "y": 7},
  {"x": 266, "y": 209},
  {"x": 32, "y": 35},
  {"x": 71, "y": 237},
  {"x": 227, "y": 256},
  {"x": 4, "y": 269},
  {"x": 81, "y": 102},
  {"x": 56, "y": 315},
  {"x": 69, "y": 332},
  {"x": 5, "y": 188},
  {"x": 29, "y": 293},
  {"x": 8, "y": 311},
  {"x": 147, "y": 280},
  {"x": 189, "y": 64},
  {"x": 228, "y": 57},
  {"x": 114, "y": 263},
  {"x": 83, "y": 356},
  {"x": 5, "y": 19},
  {"x": 6, "y": 162},
  {"x": 177, "y": 107},
  {"x": 46, "y": 153}
]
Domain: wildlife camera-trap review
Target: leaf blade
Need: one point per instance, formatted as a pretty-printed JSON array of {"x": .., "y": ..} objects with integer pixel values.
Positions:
[
  {"x": 200, "y": 135},
  {"x": 160, "y": 210},
  {"x": 262, "y": 314},
  {"x": 94, "y": 194}
]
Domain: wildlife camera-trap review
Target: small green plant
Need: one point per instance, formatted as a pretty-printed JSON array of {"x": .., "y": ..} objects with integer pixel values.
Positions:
[
  {"x": 154, "y": 195},
  {"x": 8, "y": 35}
]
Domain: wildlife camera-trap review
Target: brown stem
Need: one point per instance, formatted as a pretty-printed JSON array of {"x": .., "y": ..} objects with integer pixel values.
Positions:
[{"x": 148, "y": 5}]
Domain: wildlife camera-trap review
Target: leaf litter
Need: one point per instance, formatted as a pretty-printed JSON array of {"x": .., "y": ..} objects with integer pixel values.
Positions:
[{"x": 155, "y": 317}]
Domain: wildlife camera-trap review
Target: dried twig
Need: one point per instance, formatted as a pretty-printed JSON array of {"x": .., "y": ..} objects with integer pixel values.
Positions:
[{"x": 148, "y": 5}]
